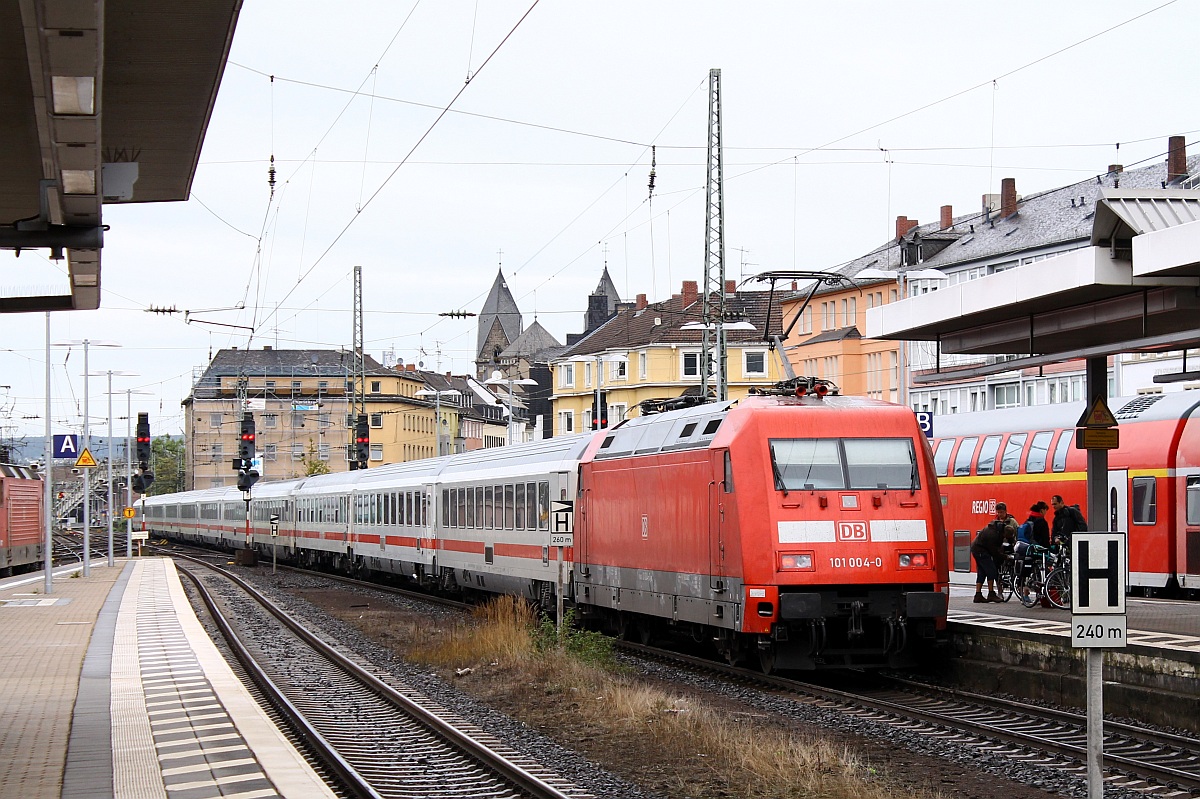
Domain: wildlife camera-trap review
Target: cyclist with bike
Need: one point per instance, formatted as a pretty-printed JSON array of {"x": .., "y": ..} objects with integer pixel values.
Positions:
[
  {"x": 988, "y": 551},
  {"x": 1034, "y": 532}
]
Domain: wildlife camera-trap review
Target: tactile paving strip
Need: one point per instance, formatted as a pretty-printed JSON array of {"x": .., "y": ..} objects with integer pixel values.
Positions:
[{"x": 199, "y": 750}]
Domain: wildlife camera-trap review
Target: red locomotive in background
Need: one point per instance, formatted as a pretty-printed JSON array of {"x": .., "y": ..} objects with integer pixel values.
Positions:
[
  {"x": 21, "y": 519},
  {"x": 798, "y": 530}
]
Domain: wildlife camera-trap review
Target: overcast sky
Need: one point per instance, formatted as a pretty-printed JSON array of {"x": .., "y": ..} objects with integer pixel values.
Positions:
[{"x": 838, "y": 117}]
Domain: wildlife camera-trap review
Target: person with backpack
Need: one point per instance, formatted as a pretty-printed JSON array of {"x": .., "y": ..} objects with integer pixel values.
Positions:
[
  {"x": 1067, "y": 519},
  {"x": 1034, "y": 530},
  {"x": 988, "y": 551}
]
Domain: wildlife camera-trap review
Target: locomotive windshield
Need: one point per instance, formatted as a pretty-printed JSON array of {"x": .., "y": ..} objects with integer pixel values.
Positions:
[{"x": 844, "y": 463}]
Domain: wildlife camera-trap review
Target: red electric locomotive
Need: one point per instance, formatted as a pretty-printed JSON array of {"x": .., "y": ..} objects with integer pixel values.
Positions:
[
  {"x": 21, "y": 519},
  {"x": 1023, "y": 455},
  {"x": 804, "y": 532}
]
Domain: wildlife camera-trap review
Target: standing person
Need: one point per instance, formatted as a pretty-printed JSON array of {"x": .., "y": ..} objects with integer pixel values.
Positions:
[
  {"x": 1009, "y": 521},
  {"x": 988, "y": 550},
  {"x": 1067, "y": 519}
]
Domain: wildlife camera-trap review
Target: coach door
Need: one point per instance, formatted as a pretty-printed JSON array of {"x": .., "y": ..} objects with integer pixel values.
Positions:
[
  {"x": 1118, "y": 505},
  {"x": 720, "y": 488},
  {"x": 426, "y": 523}
]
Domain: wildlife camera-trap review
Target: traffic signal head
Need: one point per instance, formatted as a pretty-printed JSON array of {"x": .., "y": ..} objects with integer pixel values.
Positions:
[
  {"x": 362, "y": 441},
  {"x": 246, "y": 440},
  {"x": 600, "y": 418},
  {"x": 247, "y": 479},
  {"x": 143, "y": 441},
  {"x": 141, "y": 482}
]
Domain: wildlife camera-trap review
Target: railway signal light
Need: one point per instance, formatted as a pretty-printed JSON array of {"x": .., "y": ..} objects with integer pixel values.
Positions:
[
  {"x": 246, "y": 479},
  {"x": 143, "y": 441},
  {"x": 362, "y": 442},
  {"x": 600, "y": 421},
  {"x": 141, "y": 482},
  {"x": 246, "y": 441}
]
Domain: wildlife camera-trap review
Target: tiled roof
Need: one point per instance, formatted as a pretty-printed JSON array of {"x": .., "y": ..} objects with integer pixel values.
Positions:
[
  {"x": 659, "y": 323},
  {"x": 498, "y": 305},
  {"x": 286, "y": 363},
  {"x": 533, "y": 341},
  {"x": 839, "y": 334},
  {"x": 1060, "y": 216}
]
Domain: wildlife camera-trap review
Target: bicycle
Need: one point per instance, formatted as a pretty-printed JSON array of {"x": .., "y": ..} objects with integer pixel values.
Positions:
[
  {"x": 1058, "y": 581},
  {"x": 1039, "y": 565},
  {"x": 1007, "y": 568}
]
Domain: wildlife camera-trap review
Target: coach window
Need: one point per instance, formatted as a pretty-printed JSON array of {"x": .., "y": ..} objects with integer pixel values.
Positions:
[
  {"x": 1035, "y": 461},
  {"x": 966, "y": 454},
  {"x": 544, "y": 505},
  {"x": 987, "y": 455},
  {"x": 1011, "y": 462},
  {"x": 531, "y": 506},
  {"x": 479, "y": 507},
  {"x": 519, "y": 507},
  {"x": 473, "y": 520},
  {"x": 941, "y": 456},
  {"x": 1193, "y": 500},
  {"x": 446, "y": 507},
  {"x": 1060, "y": 452},
  {"x": 1145, "y": 503},
  {"x": 489, "y": 506}
]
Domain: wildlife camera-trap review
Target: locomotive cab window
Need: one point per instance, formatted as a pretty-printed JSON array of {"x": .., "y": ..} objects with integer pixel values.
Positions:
[
  {"x": 852, "y": 463},
  {"x": 1060, "y": 451},
  {"x": 1145, "y": 502}
]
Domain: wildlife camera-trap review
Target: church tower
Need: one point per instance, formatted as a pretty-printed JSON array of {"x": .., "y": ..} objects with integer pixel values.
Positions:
[{"x": 499, "y": 326}]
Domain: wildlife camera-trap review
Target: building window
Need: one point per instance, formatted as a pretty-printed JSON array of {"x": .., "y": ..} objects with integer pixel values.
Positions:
[
  {"x": 616, "y": 413},
  {"x": 295, "y": 386},
  {"x": 217, "y": 453},
  {"x": 377, "y": 420},
  {"x": 323, "y": 451},
  {"x": 642, "y": 370},
  {"x": 297, "y": 419},
  {"x": 377, "y": 452},
  {"x": 566, "y": 422},
  {"x": 270, "y": 420},
  {"x": 566, "y": 375},
  {"x": 322, "y": 385},
  {"x": 1007, "y": 396},
  {"x": 214, "y": 419},
  {"x": 323, "y": 420},
  {"x": 587, "y": 373},
  {"x": 349, "y": 386},
  {"x": 690, "y": 365},
  {"x": 350, "y": 420},
  {"x": 376, "y": 386},
  {"x": 755, "y": 363},
  {"x": 270, "y": 452},
  {"x": 271, "y": 386},
  {"x": 297, "y": 452},
  {"x": 617, "y": 371}
]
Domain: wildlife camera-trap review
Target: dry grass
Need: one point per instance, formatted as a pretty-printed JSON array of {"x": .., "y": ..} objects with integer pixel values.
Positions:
[{"x": 700, "y": 747}]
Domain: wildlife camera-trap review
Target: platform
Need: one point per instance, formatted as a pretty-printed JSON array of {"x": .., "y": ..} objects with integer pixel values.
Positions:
[{"x": 109, "y": 686}]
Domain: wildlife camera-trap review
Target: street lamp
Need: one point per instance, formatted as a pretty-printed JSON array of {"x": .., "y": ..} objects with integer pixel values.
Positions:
[
  {"x": 903, "y": 279},
  {"x": 437, "y": 409},
  {"x": 87, "y": 442},
  {"x": 498, "y": 379},
  {"x": 110, "y": 374}
]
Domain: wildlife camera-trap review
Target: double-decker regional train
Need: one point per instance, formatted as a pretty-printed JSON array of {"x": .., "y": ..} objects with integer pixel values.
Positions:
[
  {"x": 802, "y": 531},
  {"x": 1022, "y": 455}
]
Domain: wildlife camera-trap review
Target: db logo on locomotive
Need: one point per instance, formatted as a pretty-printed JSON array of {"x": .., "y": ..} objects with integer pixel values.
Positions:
[{"x": 852, "y": 531}]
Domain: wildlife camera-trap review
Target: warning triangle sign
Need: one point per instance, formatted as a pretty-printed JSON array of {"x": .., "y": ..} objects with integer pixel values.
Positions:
[
  {"x": 86, "y": 461},
  {"x": 1098, "y": 415}
]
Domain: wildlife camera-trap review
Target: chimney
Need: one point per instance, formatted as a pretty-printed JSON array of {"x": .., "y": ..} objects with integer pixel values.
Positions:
[
  {"x": 903, "y": 225},
  {"x": 794, "y": 285},
  {"x": 267, "y": 347},
  {"x": 947, "y": 219},
  {"x": 731, "y": 287},
  {"x": 690, "y": 292},
  {"x": 1176, "y": 159},
  {"x": 641, "y": 302},
  {"x": 1115, "y": 169},
  {"x": 1008, "y": 197}
]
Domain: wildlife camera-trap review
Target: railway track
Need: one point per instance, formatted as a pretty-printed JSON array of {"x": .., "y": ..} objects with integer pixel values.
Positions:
[
  {"x": 381, "y": 739},
  {"x": 1139, "y": 759}
]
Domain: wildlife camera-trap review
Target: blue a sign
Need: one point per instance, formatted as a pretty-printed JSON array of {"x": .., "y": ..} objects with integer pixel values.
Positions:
[
  {"x": 925, "y": 422},
  {"x": 66, "y": 445}
]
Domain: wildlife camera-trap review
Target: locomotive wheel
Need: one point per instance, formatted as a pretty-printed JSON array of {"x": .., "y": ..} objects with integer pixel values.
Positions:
[
  {"x": 733, "y": 650},
  {"x": 766, "y": 659}
]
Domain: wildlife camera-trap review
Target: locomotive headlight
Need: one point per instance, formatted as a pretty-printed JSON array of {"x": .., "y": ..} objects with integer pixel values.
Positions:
[
  {"x": 914, "y": 560},
  {"x": 803, "y": 560}
]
